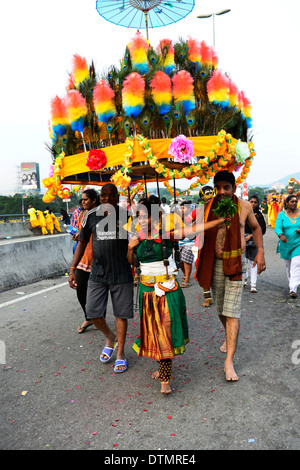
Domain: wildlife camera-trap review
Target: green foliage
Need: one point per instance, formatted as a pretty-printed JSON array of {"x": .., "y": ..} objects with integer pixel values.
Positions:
[
  {"x": 13, "y": 204},
  {"x": 259, "y": 192},
  {"x": 225, "y": 206}
]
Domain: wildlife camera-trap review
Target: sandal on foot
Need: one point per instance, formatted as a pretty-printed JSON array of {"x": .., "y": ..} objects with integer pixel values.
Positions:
[
  {"x": 185, "y": 284},
  {"x": 293, "y": 295},
  {"x": 108, "y": 352},
  {"x": 81, "y": 329},
  {"x": 120, "y": 362}
]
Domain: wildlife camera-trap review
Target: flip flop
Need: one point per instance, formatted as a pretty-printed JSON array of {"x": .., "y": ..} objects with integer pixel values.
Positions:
[
  {"x": 109, "y": 352},
  {"x": 185, "y": 284},
  {"x": 84, "y": 328},
  {"x": 120, "y": 362}
]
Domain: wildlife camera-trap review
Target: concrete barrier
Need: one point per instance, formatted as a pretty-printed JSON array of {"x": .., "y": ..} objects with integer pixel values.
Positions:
[{"x": 29, "y": 260}]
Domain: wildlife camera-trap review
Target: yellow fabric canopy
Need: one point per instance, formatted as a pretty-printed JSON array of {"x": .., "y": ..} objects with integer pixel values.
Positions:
[{"x": 76, "y": 164}]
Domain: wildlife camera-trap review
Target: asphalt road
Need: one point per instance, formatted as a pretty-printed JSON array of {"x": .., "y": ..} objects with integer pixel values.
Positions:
[{"x": 57, "y": 395}]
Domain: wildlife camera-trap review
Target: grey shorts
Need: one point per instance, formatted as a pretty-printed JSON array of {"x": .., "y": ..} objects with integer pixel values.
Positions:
[
  {"x": 97, "y": 299},
  {"x": 227, "y": 294}
]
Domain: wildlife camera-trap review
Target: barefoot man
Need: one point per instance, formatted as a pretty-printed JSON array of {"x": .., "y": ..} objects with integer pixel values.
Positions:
[{"x": 221, "y": 262}]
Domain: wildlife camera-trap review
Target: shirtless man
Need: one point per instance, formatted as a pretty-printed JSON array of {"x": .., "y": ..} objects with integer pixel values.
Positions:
[{"x": 227, "y": 293}]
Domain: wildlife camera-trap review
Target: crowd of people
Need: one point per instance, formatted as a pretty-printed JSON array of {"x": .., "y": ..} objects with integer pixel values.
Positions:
[
  {"x": 281, "y": 213},
  {"x": 153, "y": 241},
  {"x": 116, "y": 244}
]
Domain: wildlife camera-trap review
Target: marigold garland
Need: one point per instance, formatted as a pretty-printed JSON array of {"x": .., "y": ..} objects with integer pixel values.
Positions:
[
  {"x": 53, "y": 183},
  {"x": 210, "y": 165}
]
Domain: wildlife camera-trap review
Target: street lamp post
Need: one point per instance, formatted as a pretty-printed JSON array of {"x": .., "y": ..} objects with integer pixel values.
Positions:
[{"x": 223, "y": 12}]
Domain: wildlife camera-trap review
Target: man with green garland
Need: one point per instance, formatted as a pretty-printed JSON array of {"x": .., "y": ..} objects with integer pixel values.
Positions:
[{"x": 221, "y": 261}]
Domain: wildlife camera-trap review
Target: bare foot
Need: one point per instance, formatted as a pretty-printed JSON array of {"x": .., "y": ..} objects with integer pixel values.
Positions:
[
  {"x": 230, "y": 373},
  {"x": 165, "y": 388},
  {"x": 155, "y": 375},
  {"x": 223, "y": 347}
]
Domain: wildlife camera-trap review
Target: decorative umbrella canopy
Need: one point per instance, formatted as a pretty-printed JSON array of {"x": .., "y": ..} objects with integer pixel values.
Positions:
[
  {"x": 144, "y": 13},
  {"x": 168, "y": 113}
]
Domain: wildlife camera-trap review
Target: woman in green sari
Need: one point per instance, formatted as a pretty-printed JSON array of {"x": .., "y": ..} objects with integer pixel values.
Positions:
[{"x": 163, "y": 319}]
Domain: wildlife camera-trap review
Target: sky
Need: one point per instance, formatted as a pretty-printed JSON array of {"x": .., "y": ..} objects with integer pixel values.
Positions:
[{"x": 257, "y": 43}]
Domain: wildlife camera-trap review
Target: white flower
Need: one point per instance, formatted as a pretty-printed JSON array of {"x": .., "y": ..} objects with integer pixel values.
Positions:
[{"x": 242, "y": 152}]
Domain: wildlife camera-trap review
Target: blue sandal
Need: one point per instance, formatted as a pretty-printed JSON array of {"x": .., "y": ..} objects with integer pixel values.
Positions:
[
  {"x": 120, "y": 362},
  {"x": 108, "y": 352}
]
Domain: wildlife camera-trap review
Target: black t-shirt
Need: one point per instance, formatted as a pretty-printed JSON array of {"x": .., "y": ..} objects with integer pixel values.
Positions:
[{"x": 110, "y": 244}]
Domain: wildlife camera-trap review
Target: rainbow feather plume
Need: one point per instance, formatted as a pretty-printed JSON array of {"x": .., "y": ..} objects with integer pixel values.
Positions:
[
  {"x": 233, "y": 95},
  {"x": 133, "y": 94},
  {"x": 138, "y": 48},
  {"x": 59, "y": 118},
  {"x": 245, "y": 107},
  {"x": 194, "y": 53},
  {"x": 206, "y": 54},
  {"x": 103, "y": 97},
  {"x": 214, "y": 58},
  {"x": 76, "y": 110},
  {"x": 161, "y": 86},
  {"x": 183, "y": 90},
  {"x": 71, "y": 85},
  {"x": 167, "y": 51},
  {"x": 80, "y": 70},
  {"x": 218, "y": 89}
]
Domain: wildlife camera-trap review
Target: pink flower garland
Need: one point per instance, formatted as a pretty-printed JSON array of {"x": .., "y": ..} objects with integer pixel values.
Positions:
[{"x": 182, "y": 149}]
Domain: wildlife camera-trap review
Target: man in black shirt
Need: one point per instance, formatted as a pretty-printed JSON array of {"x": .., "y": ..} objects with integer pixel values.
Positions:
[{"x": 110, "y": 271}]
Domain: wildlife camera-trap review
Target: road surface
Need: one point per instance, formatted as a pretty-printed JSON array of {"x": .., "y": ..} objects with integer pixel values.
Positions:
[{"x": 57, "y": 395}]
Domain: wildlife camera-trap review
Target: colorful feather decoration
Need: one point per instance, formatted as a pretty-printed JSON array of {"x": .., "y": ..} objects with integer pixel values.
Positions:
[
  {"x": 233, "y": 95},
  {"x": 214, "y": 59},
  {"x": 167, "y": 51},
  {"x": 133, "y": 94},
  {"x": 59, "y": 118},
  {"x": 245, "y": 107},
  {"x": 218, "y": 89},
  {"x": 183, "y": 90},
  {"x": 162, "y": 91},
  {"x": 71, "y": 85},
  {"x": 194, "y": 52},
  {"x": 80, "y": 70},
  {"x": 76, "y": 110},
  {"x": 103, "y": 97},
  {"x": 138, "y": 48},
  {"x": 206, "y": 54}
]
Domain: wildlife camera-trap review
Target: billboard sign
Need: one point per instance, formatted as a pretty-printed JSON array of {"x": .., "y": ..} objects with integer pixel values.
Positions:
[{"x": 30, "y": 176}]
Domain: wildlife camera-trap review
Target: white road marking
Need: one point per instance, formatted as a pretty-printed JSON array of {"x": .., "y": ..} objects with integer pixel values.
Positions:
[{"x": 33, "y": 294}]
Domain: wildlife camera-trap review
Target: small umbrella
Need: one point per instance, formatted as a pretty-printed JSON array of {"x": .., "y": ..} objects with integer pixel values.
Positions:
[{"x": 144, "y": 13}]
